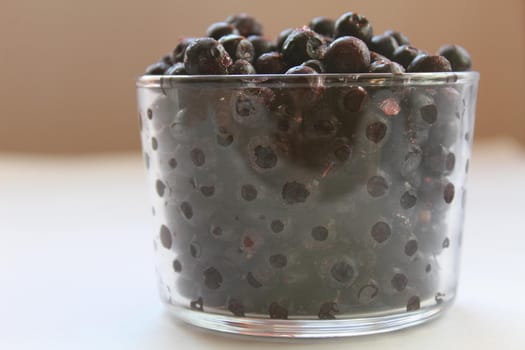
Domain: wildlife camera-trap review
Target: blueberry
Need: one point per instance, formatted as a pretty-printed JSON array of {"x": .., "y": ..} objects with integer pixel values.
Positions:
[
  {"x": 316, "y": 65},
  {"x": 323, "y": 26},
  {"x": 177, "y": 266},
  {"x": 342, "y": 272},
  {"x": 386, "y": 67},
  {"x": 161, "y": 187},
  {"x": 167, "y": 59},
  {"x": 424, "y": 63},
  {"x": 320, "y": 233},
  {"x": 253, "y": 281},
  {"x": 326, "y": 312},
  {"x": 380, "y": 232},
  {"x": 301, "y": 70},
  {"x": 301, "y": 45},
  {"x": 178, "y": 53},
  {"x": 377, "y": 186},
  {"x": 376, "y": 131},
  {"x": 458, "y": 57},
  {"x": 212, "y": 278},
  {"x": 176, "y": 69},
  {"x": 206, "y": 56},
  {"x": 353, "y": 24},
  {"x": 281, "y": 38},
  {"x": 408, "y": 200},
  {"x": 347, "y": 55},
  {"x": 448, "y": 193},
  {"x": 277, "y": 226},
  {"x": 166, "y": 238},
  {"x": 157, "y": 68},
  {"x": 276, "y": 311},
  {"x": 439, "y": 160},
  {"x": 278, "y": 261},
  {"x": 236, "y": 307},
  {"x": 220, "y": 29},
  {"x": 270, "y": 63},
  {"x": 265, "y": 157},
  {"x": 411, "y": 247},
  {"x": 294, "y": 192},
  {"x": 374, "y": 57},
  {"x": 401, "y": 38},
  {"x": 399, "y": 282},
  {"x": 186, "y": 210},
  {"x": 414, "y": 303},
  {"x": 241, "y": 67},
  {"x": 260, "y": 44},
  {"x": 384, "y": 44},
  {"x": 248, "y": 193},
  {"x": 245, "y": 24},
  {"x": 238, "y": 47},
  {"x": 405, "y": 54},
  {"x": 353, "y": 99}
]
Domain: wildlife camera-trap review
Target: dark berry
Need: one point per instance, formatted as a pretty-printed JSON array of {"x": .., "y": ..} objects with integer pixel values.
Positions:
[
  {"x": 154, "y": 143},
  {"x": 177, "y": 266},
  {"x": 458, "y": 57},
  {"x": 376, "y": 131},
  {"x": 176, "y": 69},
  {"x": 405, "y": 54},
  {"x": 208, "y": 191},
  {"x": 282, "y": 38},
  {"x": 270, "y": 63},
  {"x": 399, "y": 282},
  {"x": 236, "y": 307},
  {"x": 353, "y": 24},
  {"x": 212, "y": 278},
  {"x": 326, "y": 312},
  {"x": 323, "y": 26},
  {"x": 401, "y": 38},
  {"x": 278, "y": 261},
  {"x": 195, "y": 250},
  {"x": 186, "y": 210},
  {"x": 347, "y": 55},
  {"x": 302, "y": 45},
  {"x": 380, "y": 232},
  {"x": 206, "y": 56},
  {"x": 245, "y": 24},
  {"x": 384, "y": 44},
  {"x": 301, "y": 70},
  {"x": 316, "y": 65},
  {"x": 276, "y": 311},
  {"x": 168, "y": 60},
  {"x": 179, "y": 51},
  {"x": 265, "y": 157},
  {"x": 241, "y": 67},
  {"x": 448, "y": 193},
  {"x": 408, "y": 200},
  {"x": 376, "y": 186},
  {"x": 367, "y": 293},
  {"x": 260, "y": 44},
  {"x": 411, "y": 247},
  {"x": 252, "y": 281},
  {"x": 374, "y": 57},
  {"x": 342, "y": 272},
  {"x": 197, "y": 304},
  {"x": 220, "y": 29},
  {"x": 160, "y": 187},
  {"x": 413, "y": 303},
  {"x": 157, "y": 68},
  {"x": 320, "y": 233},
  {"x": 238, "y": 47},
  {"x": 225, "y": 140},
  {"x": 166, "y": 238},
  {"x": 197, "y": 157},
  {"x": 446, "y": 243},
  {"x": 277, "y": 226},
  {"x": 248, "y": 193},
  {"x": 353, "y": 99},
  {"x": 424, "y": 63},
  {"x": 386, "y": 67}
]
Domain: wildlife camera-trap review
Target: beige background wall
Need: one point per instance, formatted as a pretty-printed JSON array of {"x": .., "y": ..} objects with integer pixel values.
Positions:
[{"x": 68, "y": 67}]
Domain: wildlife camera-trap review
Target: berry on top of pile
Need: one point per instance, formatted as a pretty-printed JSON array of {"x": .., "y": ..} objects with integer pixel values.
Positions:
[{"x": 348, "y": 45}]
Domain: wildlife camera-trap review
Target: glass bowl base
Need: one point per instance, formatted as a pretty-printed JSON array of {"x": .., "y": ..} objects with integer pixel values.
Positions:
[{"x": 307, "y": 328}]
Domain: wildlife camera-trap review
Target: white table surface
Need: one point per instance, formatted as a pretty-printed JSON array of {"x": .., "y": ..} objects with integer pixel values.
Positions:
[{"x": 76, "y": 262}]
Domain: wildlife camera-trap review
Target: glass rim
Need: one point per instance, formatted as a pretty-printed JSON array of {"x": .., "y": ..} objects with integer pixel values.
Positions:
[{"x": 332, "y": 79}]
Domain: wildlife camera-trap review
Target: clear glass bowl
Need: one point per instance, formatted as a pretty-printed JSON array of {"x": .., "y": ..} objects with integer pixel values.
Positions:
[{"x": 307, "y": 205}]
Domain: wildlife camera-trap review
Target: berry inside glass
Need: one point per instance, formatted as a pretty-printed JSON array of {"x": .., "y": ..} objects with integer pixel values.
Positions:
[{"x": 309, "y": 187}]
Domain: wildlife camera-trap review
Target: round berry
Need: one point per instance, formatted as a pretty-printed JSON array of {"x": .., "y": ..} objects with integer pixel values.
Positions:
[
  {"x": 322, "y": 25},
  {"x": 206, "y": 56},
  {"x": 260, "y": 44},
  {"x": 316, "y": 65},
  {"x": 342, "y": 272},
  {"x": 282, "y": 38},
  {"x": 157, "y": 68},
  {"x": 178, "y": 53},
  {"x": 245, "y": 24},
  {"x": 405, "y": 54},
  {"x": 220, "y": 29},
  {"x": 458, "y": 57},
  {"x": 301, "y": 45},
  {"x": 301, "y": 70},
  {"x": 347, "y": 55},
  {"x": 386, "y": 67},
  {"x": 401, "y": 38},
  {"x": 238, "y": 47},
  {"x": 424, "y": 63},
  {"x": 353, "y": 24},
  {"x": 270, "y": 63},
  {"x": 241, "y": 67},
  {"x": 384, "y": 44},
  {"x": 176, "y": 69}
]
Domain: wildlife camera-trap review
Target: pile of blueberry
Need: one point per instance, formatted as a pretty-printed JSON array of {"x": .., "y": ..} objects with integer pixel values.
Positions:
[{"x": 348, "y": 45}]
